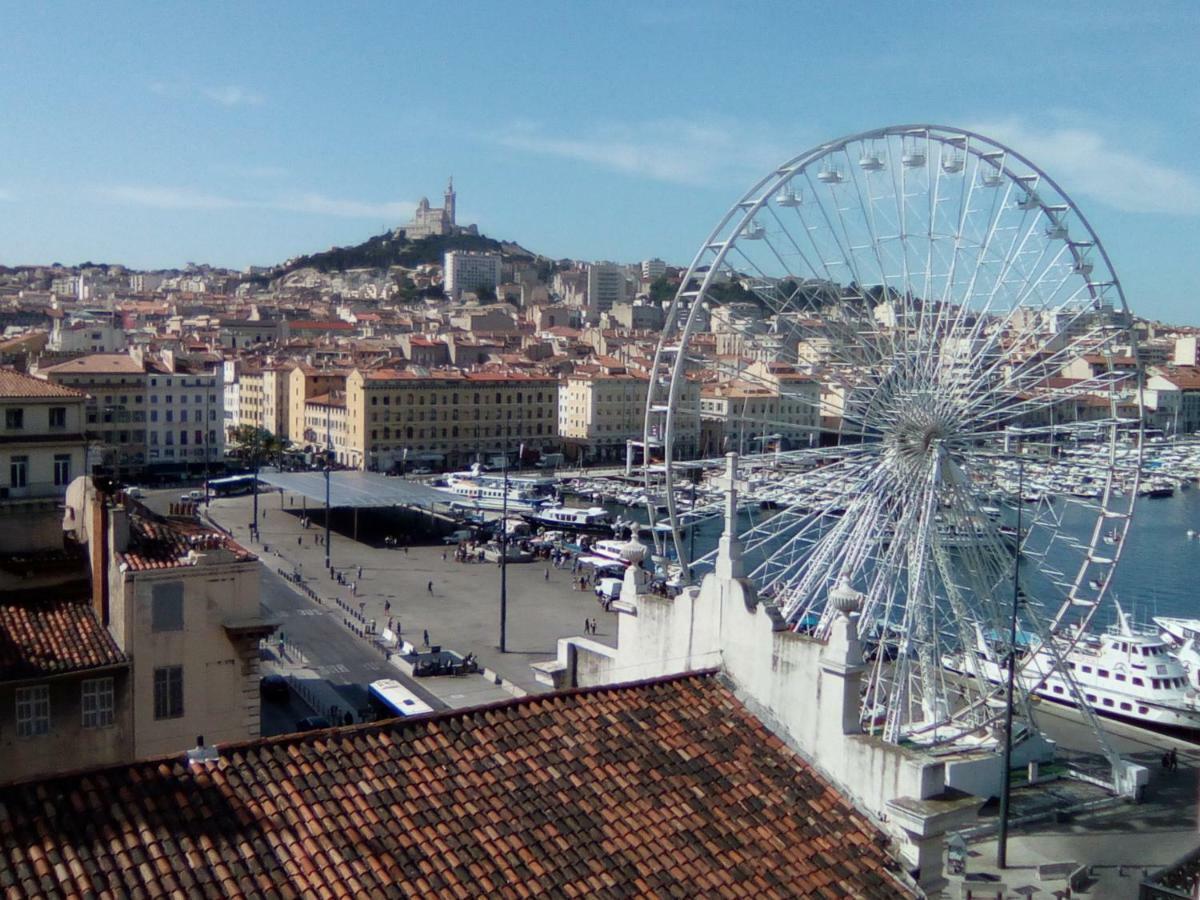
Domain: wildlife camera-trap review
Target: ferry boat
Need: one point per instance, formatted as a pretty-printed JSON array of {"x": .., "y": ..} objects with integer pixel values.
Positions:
[
  {"x": 1184, "y": 637},
  {"x": 594, "y": 519},
  {"x": 1121, "y": 674},
  {"x": 609, "y": 550},
  {"x": 475, "y": 490}
]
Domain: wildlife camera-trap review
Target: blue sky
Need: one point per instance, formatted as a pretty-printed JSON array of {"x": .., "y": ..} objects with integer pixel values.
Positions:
[{"x": 157, "y": 133}]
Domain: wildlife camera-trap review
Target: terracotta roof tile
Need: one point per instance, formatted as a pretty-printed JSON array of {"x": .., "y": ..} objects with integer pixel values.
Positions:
[
  {"x": 16, "y": 385},
  {"x": 51, "y": 638},
  {"x": 158, "y": 542},
  {"x": 377, "y": 810}
]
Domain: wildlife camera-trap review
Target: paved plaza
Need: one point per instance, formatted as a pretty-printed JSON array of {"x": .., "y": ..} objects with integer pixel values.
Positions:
[{"x": 422, "y": 589}]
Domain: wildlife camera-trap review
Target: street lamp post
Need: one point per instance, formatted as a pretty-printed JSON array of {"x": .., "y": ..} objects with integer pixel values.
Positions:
[
  {"x": 1006, "y": 761},
  {"x": 257, "y": 439},
  {"x": 328, "y": 473}
]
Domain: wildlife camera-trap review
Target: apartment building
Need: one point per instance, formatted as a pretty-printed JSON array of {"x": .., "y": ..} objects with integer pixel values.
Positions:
[
  {"x": 305, "y": 383},
  {"x": 605, "y": 287},
  {"x": 326, "y": 427},
  {"x": 115, "y": 409},
  {"x": 42, "y": 447},
  {"x": 446, "y": 417},
  {"x": 465, "y": 272},
  {"x": 147, "y": 414},
  {"x": 181, "y": 601},
  {"x": 600, "y": 412}
]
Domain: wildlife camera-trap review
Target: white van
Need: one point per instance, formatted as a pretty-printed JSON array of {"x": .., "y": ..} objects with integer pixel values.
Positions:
[{"x": 608, "y": 590}]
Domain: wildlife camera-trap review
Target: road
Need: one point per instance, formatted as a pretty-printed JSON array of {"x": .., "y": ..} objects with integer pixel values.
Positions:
[{"x": 343, "y": 660}]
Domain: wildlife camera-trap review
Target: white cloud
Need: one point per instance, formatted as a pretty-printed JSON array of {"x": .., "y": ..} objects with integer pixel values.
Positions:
[
  {"x": 319, "y": 204},
  {"x": 672, "y": 150},
  {"x": 158, "y": 197},
  {"x": 1084, "y": 162},
  {"x": 232, "y": 95},
  {"x": 161, "y": 197}
]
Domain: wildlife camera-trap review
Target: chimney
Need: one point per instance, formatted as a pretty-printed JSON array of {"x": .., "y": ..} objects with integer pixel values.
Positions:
[
  {"x": 200, "y": 754},
  {"x": 98, "y": 551},
  {"x": 120, "y": 528}
]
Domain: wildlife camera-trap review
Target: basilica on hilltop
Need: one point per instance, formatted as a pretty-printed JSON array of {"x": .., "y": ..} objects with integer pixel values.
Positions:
[{"x": 428, "y": 221}]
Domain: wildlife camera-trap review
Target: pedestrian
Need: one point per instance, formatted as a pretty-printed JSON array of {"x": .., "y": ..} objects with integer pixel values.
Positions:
[
  {"x": 406, "y": 551},
  {"x": 425, "y": 635},
  {"x": 354, "y": 589},
  {"x": 587, "y": 626},
  {"x": 443, "y": 556},
  {"x": 299, "y": 540},
  {"x": 1174, "y": 759},
  {"x": 349, "y": 720},
  {"x": 429, "y": 587},
  {"x": 387, "y": 605},
  {"x": 360, "y": 573},
  {"x": 547, "y": 575}
]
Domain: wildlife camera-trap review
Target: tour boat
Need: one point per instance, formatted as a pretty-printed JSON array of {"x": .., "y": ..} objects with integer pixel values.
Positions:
[
  {"x": 595, "y": 519},
  {"x": 1121, "y": 674},
  {"x": 474, "y": 490}
]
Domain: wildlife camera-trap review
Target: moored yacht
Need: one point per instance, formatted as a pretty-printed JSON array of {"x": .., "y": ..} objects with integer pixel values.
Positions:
[
  {"x": 1120, "y": 674},
  {"x": 594, "y": 519}
]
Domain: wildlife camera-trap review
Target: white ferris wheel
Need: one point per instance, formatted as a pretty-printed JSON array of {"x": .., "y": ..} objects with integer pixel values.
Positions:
[{"x": 882, "y": 327}]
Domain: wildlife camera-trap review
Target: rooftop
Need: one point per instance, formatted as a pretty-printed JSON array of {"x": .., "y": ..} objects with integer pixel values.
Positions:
[
  {"x": 668, "y": 787},
  {"x": 41, "y": 638},
  {"x": 17, "y": 386},
  {"x": 161, "y": 542},
  {"x": 98, "y": 364}
]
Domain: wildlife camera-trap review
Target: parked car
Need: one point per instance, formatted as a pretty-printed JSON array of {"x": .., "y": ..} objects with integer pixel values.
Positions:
[
  {"x": 608, "y": 590},
  {"x": 274, "y": 688},
  {"x": 312, "y": 723},
  {"x": 192, "y": 496},
  {"x": 134, "y": 492}
]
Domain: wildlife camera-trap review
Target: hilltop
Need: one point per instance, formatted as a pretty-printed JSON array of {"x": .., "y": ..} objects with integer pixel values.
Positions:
[{"x": 393, "y": 248}]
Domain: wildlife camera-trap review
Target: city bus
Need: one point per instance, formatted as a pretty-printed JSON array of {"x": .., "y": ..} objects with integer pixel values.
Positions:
[
  {"x": 390, "y": 698},
  {"x": 232, "y": 486}
]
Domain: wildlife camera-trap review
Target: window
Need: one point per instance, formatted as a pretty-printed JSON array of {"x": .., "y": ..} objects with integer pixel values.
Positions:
[
  {"x": 1107, "y": 701},
  {"x": 183, "y": 438},
  {"x": 198, "y": 437},
  {"x": 58, "y": 417},
  {"x": 170, "y": 415},
  {"x": 1119, "y": 676},
  {"x": 1125, "y": 707},
  {"x": 1103, "y": 673},
  {"x": 14, "y": 418},
  {"x": 33, "y": 710},
  {"x": 1087, "y": 668},
  {"x": 166, "y": 613},
  {"x": 62, "y": 468},
  {"x": 1091, "y": 698},
  {"x": 1057, "y": 688},
  {"x": 168, "y": 692},
  {"x": 18, "y": 471},
  {"x": 1138, "y": 681},
  {"x": 96, "y": 699}
]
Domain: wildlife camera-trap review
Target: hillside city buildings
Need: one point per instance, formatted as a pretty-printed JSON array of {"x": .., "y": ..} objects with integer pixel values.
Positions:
[{"x": 135, "y": 632}]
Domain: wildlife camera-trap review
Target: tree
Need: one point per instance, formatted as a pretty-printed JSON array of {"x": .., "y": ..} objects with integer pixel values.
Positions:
[
  {"x": 258, "y": 445},
  {"x": 662, "y": 291}
]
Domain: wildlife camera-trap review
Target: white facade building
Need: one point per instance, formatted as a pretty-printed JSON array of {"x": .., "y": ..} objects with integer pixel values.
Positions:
[
  {"x": 605, "y": 286},
  {"x": 185, "y": 420},
  {"x": 653, "y": 268},
  {"x": 470, "y": 272}
]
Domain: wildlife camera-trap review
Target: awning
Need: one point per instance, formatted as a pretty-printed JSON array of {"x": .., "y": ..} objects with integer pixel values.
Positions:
[{"x": 359, "y": 489}]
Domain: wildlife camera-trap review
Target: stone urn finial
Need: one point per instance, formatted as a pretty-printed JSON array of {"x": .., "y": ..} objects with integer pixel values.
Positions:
[{"x": 845, "y": 599}]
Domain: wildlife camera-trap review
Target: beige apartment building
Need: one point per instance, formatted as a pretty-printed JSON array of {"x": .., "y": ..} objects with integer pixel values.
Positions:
[
  {"x": 42, "y": 447},
  {"x": 599, "y": 413},
  {"x": 305, "y": 383},
  {"x": 446, "y": 417},
  {"x": 771, "y": 406},
  {"x": 181, "y": 601},
  {"x": 326, "y": 426}
]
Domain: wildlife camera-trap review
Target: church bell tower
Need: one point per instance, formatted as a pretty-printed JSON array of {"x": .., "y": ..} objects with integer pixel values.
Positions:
[{"x": 448, "y": 207}]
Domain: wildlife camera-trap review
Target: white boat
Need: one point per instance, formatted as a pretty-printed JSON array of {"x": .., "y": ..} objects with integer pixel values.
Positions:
[
  {"x": 475, "y": 490},
  {"x": 609, "y": 550},
  {"x": 595, "y": 519},
  {"x": 1176, "y": 630},
  {"x": 1121, "y": 674}
]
